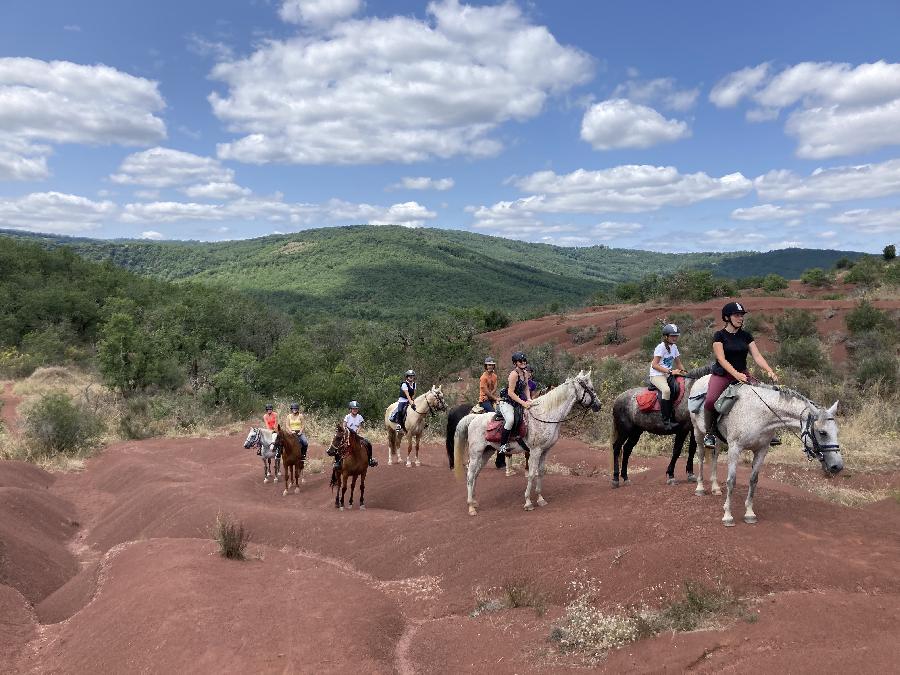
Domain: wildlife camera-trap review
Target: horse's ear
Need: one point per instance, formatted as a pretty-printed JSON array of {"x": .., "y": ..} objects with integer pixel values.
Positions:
[
  {"x": 439, "y": 387},
  {"x": 833, "y": 409},
  {"x": 588, "y": 374},
  {"x": 580, "y": 374}
]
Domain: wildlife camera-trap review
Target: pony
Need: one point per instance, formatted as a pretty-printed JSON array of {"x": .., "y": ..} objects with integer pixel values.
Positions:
[
  {"x": 354, "y": 463},
  {"x": 545, "y": 417},
  {"x": 629, "y": 423},
  {"x": 429, "y": 402},
  {"x": 454, "y": 415},
  {"x": 758, "y": 413},
  {"x": 265, "y": 441},
  {"x": 290, "y": 455}
]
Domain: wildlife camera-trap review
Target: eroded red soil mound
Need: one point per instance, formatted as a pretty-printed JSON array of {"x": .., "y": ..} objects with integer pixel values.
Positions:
[{"x": 402, "y": 577}]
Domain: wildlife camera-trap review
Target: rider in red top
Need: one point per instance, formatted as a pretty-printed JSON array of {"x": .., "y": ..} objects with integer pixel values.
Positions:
[{"x": 270, "y": 418}]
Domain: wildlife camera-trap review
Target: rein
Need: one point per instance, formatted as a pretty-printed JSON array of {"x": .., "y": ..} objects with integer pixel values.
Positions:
[
  {"x": 584, "y": 408},
  {"x": 817, "y": 450}
]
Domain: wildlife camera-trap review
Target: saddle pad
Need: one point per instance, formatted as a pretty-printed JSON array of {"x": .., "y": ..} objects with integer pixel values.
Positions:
[
  {"x": 648, "y": 400},
  {"x": 495, "y": 429}
]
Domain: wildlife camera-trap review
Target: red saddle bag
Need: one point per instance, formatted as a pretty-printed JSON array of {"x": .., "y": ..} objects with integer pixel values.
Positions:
[
  {"x": 495, "y": 431},
  {"x": 648, "y": 400}
]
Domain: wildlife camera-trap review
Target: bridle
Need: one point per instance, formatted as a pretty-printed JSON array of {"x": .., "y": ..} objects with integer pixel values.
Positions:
[
  {"x": 436, "y": 408},
  {"x": 586, "y": 389}
]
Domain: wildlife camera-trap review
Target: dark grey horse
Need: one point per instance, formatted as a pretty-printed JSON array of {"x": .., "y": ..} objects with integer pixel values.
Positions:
[
  {"x": 629, "y": 423},
  {"x": 454, "y": 415}
]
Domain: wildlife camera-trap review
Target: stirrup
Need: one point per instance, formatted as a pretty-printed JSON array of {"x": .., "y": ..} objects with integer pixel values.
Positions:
[
  {"x": 373, "y": 462},
  {"x": 505, "y": 450},
  {"x": 709, "y": 441}
]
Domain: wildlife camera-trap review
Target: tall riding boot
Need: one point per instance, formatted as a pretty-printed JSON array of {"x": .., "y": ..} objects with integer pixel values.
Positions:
[
  {"x": 372, "y": 462},
  {"x": 504, "y": 441},
  {"x": 709, "y": 419},
  {"x": 668, "y": 417}
]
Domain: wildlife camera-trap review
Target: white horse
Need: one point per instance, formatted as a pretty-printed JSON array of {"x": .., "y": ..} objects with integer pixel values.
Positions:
[
  {"x": 429, "y": 402},
  {"x": 265, "y": 441},
  {"x": 758, "y": 413},
  {"x": 545, "y": 417}
]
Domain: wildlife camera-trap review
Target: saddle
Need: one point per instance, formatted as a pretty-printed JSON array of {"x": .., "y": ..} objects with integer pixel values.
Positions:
[
  {"x": 648, "y": 400},
  {"x": 494, "y": 430}
]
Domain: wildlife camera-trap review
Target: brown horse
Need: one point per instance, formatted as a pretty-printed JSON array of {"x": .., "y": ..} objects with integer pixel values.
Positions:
[
  {"x": 349, "y": 447},
  {"x": 290, "y": 459}
]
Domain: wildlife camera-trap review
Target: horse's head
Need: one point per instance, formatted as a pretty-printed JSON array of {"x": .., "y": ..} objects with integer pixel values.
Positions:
[
  {"x": 439, "y": 402},
  {"x": 820, "y": 438},
  {"x": 253, "y": 438},
  {"x": 584, "y": 390}
]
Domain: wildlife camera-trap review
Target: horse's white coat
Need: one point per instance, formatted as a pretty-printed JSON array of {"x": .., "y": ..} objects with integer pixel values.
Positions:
[
  {"x": 751, "y": 425},
  {"x": 543, "y": 432},
  {"x": 431, "y": 400}
]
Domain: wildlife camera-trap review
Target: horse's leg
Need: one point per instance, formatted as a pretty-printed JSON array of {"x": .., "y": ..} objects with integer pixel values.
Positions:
[
  {"x": 677, "y": 445},
  {"x": 277, "y": 468},
  {"x": 344, "y": 478},
  {"x": 630, "y": 442},
  {"x": 475, "y": 459},
  {"x": 362, "y": 492},
  {"x": 533, "y": 470},
  {"x": 409, "y": 449},
  {"x": 418, "y": 439},
  {"x": 352, "y": 490},
  {"x": 265, "y": 470},
  {"x": 758, "y": 458},
  {"x": 734, "y": 454},
  {"x": 540, "y": 477},
  {"x": 714, "y": 471},
  {"x": 692, "y": 450}
]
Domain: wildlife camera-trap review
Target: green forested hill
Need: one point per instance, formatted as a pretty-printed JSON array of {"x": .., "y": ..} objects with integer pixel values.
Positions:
[{"x": 387, "y": 271}]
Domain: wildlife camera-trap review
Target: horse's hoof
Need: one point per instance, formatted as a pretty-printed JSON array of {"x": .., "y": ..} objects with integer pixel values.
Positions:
[
  {"x": 362, "y": 507},
  {"x": 341, "y": 508},
  {"x": 296, "y": 490},
  {"x": 302, "y": 481},
  {"x": 615, "y": 483},
  {"x": 542, "y": 502},
  {"x": 408, "y": 463},
  {"x": 510, "y": 472},
  {"x": 473, "y": 511},
  {"x": 626, "y": 481},
  {"x": 750, "y": 520},
  {"x": 284, "y": 494},
  {"x": 716, "y": 491},
  {"x": 671, "y": 481},
  {"x": 389, "y": 460},
  {"x": 528, "y": 506},
  {"x": 728, "y": 522},
  {"x": 418, "y": 463},
  {"x": 691, "y": 478},
  {"x": 699, "y": 493}
]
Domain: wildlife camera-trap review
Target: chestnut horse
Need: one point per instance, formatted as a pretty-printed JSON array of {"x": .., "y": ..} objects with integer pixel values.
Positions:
[
  {"x": 290, "y": 459},
  {"x": 349, "y": 447}
]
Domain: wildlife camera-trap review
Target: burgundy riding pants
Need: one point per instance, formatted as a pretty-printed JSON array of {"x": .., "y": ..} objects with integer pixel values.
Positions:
[{"x": 717, "y": 384}]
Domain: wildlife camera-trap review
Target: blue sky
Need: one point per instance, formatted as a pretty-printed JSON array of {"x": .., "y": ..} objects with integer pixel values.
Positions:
[{"x": 656, "y": 125}]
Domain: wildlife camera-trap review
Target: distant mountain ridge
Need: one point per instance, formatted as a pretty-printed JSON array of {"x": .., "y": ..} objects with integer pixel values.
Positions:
[{"x": 382, "y": 272}]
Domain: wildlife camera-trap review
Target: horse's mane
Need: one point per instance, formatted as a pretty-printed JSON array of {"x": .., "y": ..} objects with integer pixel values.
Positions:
[
  {"x": 697, "y": 373},
  {"x": 787, "y": 392},
  {"x": 557, "y": 395}
]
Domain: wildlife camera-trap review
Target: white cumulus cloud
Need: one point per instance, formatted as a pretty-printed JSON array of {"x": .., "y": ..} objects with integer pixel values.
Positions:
[
  {"x": 55, "y": 212},
  {"x": 318, "y": 12},
  {"x": 835, "y": 184},
  {"x": 619, "y": 123},
  {"x": 394, "y": 89},
  {"x": 153, "y": 235},
  {"x": 837, "y": 109},
  {"x": 164, "y": 167},
  {"x": 424, "y": 183},
  {"x": 662, "y": 91},
  {"x": 769, "y": 213},
  {"x": 870, "y": 221}
]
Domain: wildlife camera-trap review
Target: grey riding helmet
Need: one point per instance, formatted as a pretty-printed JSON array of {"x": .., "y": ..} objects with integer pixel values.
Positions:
[
  {"x": 295, "y": 407},
  {"x": 489, "y": 361},
  {"x": 354, "y": 404},
  {"x": 410, "y": 373},
  {"x": 670, "y": 329}
]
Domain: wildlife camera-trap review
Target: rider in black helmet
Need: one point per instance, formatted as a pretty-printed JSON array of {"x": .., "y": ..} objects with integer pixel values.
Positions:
[
  {"x": 731, "y": 345},
  {"x": 514, "y": 398},
  {"x": 407, "y": 399}
]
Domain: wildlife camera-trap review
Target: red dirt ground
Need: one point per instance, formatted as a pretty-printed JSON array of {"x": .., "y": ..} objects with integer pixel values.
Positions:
[
  {"x": 635, "y": 321},
  {"x": 113, "y": 569}
]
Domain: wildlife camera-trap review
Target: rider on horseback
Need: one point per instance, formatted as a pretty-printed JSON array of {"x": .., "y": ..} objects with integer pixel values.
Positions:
[
  {"x": 407, "y": 399},
  {"x": 296, "y": 423},
  {"x": 514, "y": 398},
  {"x": 730, "y": 346},
  {"x": 271, "y": 421},
  {"x": 487, "y": 386},
  {"x": 666, "y": 363},
  {"x": 353, "y": 421}
]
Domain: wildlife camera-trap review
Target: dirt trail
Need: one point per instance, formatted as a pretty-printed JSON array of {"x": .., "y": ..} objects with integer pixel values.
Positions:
[
  {"x": 113, "y": 568},
  {"x": 9, "y": 412}
]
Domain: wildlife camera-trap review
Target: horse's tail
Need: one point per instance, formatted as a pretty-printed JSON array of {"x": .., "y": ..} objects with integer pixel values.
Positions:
[
  {"x": 460, "y": 441},
  {"x": 334, "y": 478}
]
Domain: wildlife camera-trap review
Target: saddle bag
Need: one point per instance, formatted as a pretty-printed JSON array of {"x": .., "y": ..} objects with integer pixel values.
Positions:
[
  {"x": 726, "y": 400},
  {"x": 696, "y": 401}
]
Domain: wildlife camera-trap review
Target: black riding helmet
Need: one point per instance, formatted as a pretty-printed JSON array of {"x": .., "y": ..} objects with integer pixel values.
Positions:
[
  {"x": 732, "y": 308},
  {"x": 269, "y": 406},
  {"x": 519, "y": 356}
]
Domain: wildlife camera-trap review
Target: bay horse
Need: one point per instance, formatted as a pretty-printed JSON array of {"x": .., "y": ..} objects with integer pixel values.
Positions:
[
  {"x": 629, "y": 423},
  {"x": 265, "y": 441},
  {"x": 759, "y": 412},
  {"x": 544, "y": 419},
  {"x": 349, "y": 447},
  {"x": 291, "y": 459},
  {"x": 425, "y": 404}
]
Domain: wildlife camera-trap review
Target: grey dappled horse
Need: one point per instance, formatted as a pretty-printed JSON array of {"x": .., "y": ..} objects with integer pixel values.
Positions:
[
  {"x": 544, "y": 420},
  {"x": 629, "y": 423},
  {"x": 759, "y": 412},
  {"x": 265, "y": 441}
]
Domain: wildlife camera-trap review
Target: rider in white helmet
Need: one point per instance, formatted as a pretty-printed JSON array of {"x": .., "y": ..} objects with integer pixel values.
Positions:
[
  {"x": 353, "y": 421},
  {"x": 487, "y": 386},
  {"x": 666, "y": 363}
]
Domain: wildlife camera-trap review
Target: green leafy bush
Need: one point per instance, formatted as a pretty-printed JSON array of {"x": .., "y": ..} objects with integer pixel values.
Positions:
[
  {"x": 865, "y": 317},
  {"x": 774, "y": 283},
  {"x": 55, "y": 424},
  {"x": 889, "y": 252},
  {"x": 866, "y": 272},
  {"x": 804, "y": 354},
  {"x": 817, "y": 277},
  {"x": 794, "y": 324},
  {"x": 878, "y": 370}
]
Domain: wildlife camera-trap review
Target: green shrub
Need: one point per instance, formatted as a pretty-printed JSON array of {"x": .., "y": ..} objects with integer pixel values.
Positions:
[
  {"x": 843, "y": 264},
  {"x": 582, "y": 334},
  {"x": 881, "y": 371},
  {"x": 804, "y": 353},
  {"x": 892, "y": 274},
  {"x": 231, "y": 537},
  {"x": 774, "y": 283},
  {"x": 866, "y": 272},
  {"x": 755, "y": 322},
  {"x": 794, "y": 324},
  {"x": 889, "y": 252},
  {"x": 15, "y": 364},
  {"x": 750, "y": 282},
  {"x": 817, "y": 277},
  {"x": 55, "y": 424},
  {"x": 864, "y": 317}
]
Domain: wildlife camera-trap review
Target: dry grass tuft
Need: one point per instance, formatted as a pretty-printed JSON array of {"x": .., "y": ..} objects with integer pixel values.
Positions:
[
  {"x": 231, "y": 537},
  {"x": 512, "y": 594}
]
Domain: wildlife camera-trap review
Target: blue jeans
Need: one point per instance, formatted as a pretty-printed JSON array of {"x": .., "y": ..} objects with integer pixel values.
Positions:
[{"x": 487, "y": 405}]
